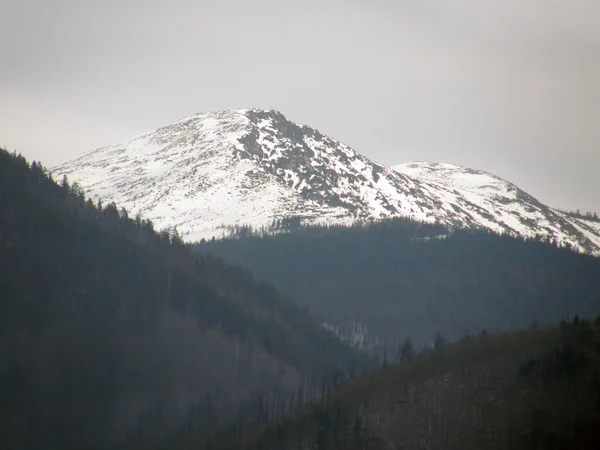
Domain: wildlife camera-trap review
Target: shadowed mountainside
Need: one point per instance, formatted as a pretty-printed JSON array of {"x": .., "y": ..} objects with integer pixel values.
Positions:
[
  {"x": 110, "y": 330},
  {"x": 388, "y": 280}
]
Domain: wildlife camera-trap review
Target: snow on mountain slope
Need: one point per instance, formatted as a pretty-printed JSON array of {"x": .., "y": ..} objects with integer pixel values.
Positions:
[
  {"x": 217, "y": 169},
  {"x": 240, "y": 167},
  {"x": 476, "y": 198}
]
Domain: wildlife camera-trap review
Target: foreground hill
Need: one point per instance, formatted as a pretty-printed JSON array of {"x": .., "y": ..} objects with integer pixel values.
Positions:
[
  {"x": 386, "y": 281},
  {"x": 526, "y": 390},
  {"x": 253, "y": 167},
  {"x": 110, "y": 330}
]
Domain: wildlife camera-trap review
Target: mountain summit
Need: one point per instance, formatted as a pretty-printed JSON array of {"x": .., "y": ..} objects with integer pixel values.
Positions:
[{"x": 251, "y": 166}]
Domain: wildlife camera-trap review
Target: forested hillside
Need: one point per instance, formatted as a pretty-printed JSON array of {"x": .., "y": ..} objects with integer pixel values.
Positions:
[
  {"x": 398, "y": 278},
  {"x": 111, "y": 332},
  {"x": 526, "y": 390}
]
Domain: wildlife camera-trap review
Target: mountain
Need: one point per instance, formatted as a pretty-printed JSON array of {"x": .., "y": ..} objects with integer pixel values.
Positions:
[
  {"x": 474, "y": 198},
  {"x": 110, "y": 331},
  {"x": 253, "y": 167},
  {"x": 384, "y": 281}
]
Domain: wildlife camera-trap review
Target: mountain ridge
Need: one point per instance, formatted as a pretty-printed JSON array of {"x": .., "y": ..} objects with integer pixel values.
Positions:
[
  {"x": 211, "y": 170},
  {"x": 108, "y": 327}
]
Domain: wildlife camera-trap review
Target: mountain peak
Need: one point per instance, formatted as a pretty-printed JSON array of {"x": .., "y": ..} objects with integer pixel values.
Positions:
[{"x": 253, "y": 166}]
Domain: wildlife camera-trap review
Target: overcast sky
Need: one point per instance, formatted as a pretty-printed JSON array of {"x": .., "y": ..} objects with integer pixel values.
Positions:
[{"x": 509, "y": 86}]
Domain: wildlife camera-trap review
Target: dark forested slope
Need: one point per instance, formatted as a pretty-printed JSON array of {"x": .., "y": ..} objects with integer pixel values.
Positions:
[
  {"x": 401, "y": 278},
  {"x": 525, "y": 390},
  {"x": 109, "y": 329}
]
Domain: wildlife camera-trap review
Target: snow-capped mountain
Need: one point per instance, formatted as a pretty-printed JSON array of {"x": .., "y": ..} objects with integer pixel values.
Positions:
[
  {"x": 474, "y": 198},
  {"x": 218, "y": 169}
]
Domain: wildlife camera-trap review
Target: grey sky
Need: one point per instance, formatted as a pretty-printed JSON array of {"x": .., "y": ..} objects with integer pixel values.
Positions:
[{"x": 509, "y": 86}]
